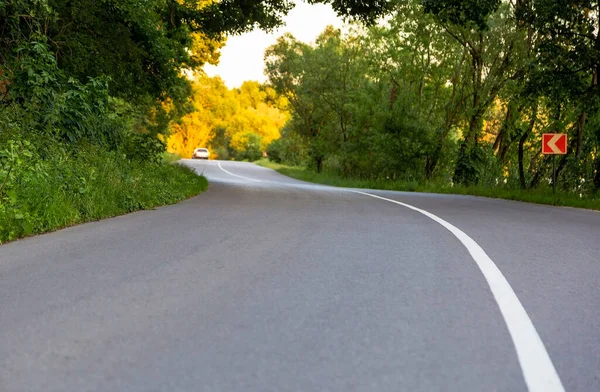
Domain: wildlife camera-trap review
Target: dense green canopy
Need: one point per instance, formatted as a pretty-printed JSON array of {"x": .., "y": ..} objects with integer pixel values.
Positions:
[{"x": 452, "y": 91}]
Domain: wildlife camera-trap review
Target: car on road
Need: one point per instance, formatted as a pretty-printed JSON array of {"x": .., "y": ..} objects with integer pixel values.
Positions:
[{"x": 200, "y": 153}]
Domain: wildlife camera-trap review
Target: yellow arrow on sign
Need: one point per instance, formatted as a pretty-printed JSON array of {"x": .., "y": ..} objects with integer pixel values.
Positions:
[{"x": 552, "y": 143}]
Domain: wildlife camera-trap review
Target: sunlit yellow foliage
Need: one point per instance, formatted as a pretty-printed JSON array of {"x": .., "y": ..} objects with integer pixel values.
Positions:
[
  {"x": 251, "y": 109},
  {"x": 191, "y": 133},
  {"x": 493, "y": 121},
  {"x": 206, "y": 50}
]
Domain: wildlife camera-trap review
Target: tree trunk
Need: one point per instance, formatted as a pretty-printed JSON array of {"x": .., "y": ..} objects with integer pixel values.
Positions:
[
  {"x": 319, "y": 162},
  {"x": 597, "y": 175},
  {"x": 450, "y": 116},
  {"x": 3, "y": 86},
  {"x": 476, "y": 117},
  {"x": 503, "y": 140},
  {"x": 432, "y": 161},
  {"x": 522, "y": 141},
  {"x": 580, "y": 126},
  {"x": 503, "y": 133},
  {"x": 465, "y": 172},
  {"x": 475, "y": 124}
]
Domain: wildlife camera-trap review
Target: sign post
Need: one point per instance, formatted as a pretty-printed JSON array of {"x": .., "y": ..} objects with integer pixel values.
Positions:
[
  {"x": 554, "y": 144},
  {"x": 554, "y": 173}
]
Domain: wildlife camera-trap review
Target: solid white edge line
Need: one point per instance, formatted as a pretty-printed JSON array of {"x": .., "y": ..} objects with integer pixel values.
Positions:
[
  {"x": 235, "y": 175},
  {"x": 536, "y": 365}
]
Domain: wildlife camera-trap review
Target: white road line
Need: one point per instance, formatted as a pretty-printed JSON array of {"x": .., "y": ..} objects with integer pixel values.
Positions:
[
  {"x": 538, "y": 370},
  {"x": 235, "y": 175}
]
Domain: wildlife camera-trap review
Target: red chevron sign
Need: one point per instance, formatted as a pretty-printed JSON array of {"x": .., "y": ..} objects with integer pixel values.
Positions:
[{"x": 554, "y": 143}]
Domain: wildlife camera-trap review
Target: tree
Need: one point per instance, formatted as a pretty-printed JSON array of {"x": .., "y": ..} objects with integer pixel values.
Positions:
[
  {"x": 285, "y": 68},
  {"x": 490, "y": 39},
  {"x": 234, "y": 123},
  {"x": 427, "y": 74},
  {"x": 568, "y": 62}
]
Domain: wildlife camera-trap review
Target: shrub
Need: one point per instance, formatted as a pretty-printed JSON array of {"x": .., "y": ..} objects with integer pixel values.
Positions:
[
  {"x": 40, "y": 195},
  {"x": 143, "y": 147},
  {"x": 246, "y": 147},
  {"x": 289, "y": 150}
]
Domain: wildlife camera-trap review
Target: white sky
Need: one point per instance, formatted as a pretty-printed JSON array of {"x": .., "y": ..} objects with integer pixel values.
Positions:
[{"x": 242, "y": 56}]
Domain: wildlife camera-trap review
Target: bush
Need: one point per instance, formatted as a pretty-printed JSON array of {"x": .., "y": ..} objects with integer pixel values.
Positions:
[
  {"x": 40, "y": 195},
  {"x": 52, "y": 105},
  {"x": 143, "y": 147},
  {"x": 247, "y": 147},
  {"x": 289, "y": 150},
  {"x": 274, "y": 150},
  {"x": 471, "y": 164},
  {"x": 221, "y": 153}
]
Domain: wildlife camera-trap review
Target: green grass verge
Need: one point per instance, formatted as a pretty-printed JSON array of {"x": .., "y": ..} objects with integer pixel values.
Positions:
[
  {"x": 539, "y": 196},
  {"x": 49, "y": 195},
  {"x": 169, "y": 157}
]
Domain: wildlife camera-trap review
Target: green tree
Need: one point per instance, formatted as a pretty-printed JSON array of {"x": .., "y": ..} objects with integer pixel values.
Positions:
[{"x": 566, "y": 67}]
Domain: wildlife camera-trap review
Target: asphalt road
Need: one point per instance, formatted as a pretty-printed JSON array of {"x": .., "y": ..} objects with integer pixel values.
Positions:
[{"x": 264, "y": 283}]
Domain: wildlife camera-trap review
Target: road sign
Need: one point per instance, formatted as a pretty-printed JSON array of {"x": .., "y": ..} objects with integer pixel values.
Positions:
[{"x": 554, "y": 143}]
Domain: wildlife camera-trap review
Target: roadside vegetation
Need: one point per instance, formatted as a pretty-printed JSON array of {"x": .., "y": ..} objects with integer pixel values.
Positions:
[
  {"x": 447, "y": 96},
  {"x": 539, "y": 195},
  {"x": 45, "y": 194},
  {"x": 169, "y": 157}
]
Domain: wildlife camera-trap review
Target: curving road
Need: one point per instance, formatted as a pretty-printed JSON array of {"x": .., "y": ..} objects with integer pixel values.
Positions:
[{"x": 264, "y": 283}]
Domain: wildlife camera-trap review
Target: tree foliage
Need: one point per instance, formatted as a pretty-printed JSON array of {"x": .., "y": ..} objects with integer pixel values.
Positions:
[
  {"x": 467, "y": 13},
  {"x": 236, "y": 123},
  {"x": 365, "y": 11},
  {"x": 452, "y": 91}
]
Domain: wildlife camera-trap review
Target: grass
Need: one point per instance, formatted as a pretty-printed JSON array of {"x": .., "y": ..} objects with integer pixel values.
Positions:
[
  {"x": 169, "y": 157},
  {"x": 539, "y": 196},
  {"x": 53, "y": 194}
]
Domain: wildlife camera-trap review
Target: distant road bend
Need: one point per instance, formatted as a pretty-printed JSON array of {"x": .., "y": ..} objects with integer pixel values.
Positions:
[{"x": 265, "y": 283}]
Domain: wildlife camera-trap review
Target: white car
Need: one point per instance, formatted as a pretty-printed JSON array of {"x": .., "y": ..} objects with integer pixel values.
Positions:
[{"x": 200, "y": 153}]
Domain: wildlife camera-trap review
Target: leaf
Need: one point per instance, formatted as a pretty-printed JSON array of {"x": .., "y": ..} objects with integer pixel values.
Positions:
[{"x": 12, "y": 196}]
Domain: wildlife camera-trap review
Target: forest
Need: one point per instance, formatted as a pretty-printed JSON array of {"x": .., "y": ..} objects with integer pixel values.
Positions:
[{"x": 449, "y": 92}]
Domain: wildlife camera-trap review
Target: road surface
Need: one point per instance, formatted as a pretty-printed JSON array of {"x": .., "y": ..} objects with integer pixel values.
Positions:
[{"x": 264, "y": 283}]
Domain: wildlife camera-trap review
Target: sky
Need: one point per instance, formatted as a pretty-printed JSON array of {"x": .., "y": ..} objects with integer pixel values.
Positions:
[{"x": 242, "y": 56}]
